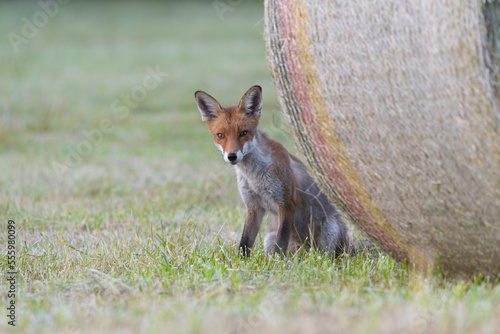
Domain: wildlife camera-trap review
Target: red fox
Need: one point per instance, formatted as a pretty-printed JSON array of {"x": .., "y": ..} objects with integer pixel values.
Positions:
[{"x": 272, "y": 181}]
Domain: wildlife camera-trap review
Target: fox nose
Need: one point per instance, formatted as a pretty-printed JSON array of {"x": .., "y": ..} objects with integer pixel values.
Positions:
[{"x": 232, "y": 157}]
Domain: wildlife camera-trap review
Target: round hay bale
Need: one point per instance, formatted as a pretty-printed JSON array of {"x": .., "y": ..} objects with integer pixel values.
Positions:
[{"x": 394, "y": 107}]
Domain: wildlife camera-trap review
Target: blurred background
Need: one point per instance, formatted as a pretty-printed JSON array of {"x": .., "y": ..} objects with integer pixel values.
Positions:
[
  {"x": 103, "y": 154},
  {"x": 97, "y": 97}
]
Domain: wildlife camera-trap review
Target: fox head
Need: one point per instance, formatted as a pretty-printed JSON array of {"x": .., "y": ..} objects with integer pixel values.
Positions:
[{"x": 233, "y": 128}]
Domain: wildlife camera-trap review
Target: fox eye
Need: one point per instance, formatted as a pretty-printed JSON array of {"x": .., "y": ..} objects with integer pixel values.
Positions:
[
  {"x": 220, "y": 135},
  {"x": 243, "y": 134}
]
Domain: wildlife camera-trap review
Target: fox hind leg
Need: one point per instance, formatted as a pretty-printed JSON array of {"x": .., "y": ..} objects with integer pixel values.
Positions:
[
  {"x": 333, "y": 237},
  {"x": 329, "y": 237},
  {"x": 270, "y": 241}
]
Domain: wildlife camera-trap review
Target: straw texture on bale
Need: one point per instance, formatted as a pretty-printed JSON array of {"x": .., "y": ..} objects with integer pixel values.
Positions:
[{"x": 394, "y": 107}]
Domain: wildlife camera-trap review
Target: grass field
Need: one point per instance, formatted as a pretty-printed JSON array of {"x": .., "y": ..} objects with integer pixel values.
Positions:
[{"x": 127, "y": 217}]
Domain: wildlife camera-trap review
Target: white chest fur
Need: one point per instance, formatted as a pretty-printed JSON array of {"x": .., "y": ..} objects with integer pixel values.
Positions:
[{"x": 257, "y": 185}]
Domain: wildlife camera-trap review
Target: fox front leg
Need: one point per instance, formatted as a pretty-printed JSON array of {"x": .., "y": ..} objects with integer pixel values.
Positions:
[
  {"x": 285, "y": 219},
  {"x": 253, "y": 221}
]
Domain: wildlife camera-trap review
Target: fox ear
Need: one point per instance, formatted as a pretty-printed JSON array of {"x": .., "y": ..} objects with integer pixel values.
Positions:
[
  {"x": 251, "y": 102},
  {"x": 208, "y": 106}
]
